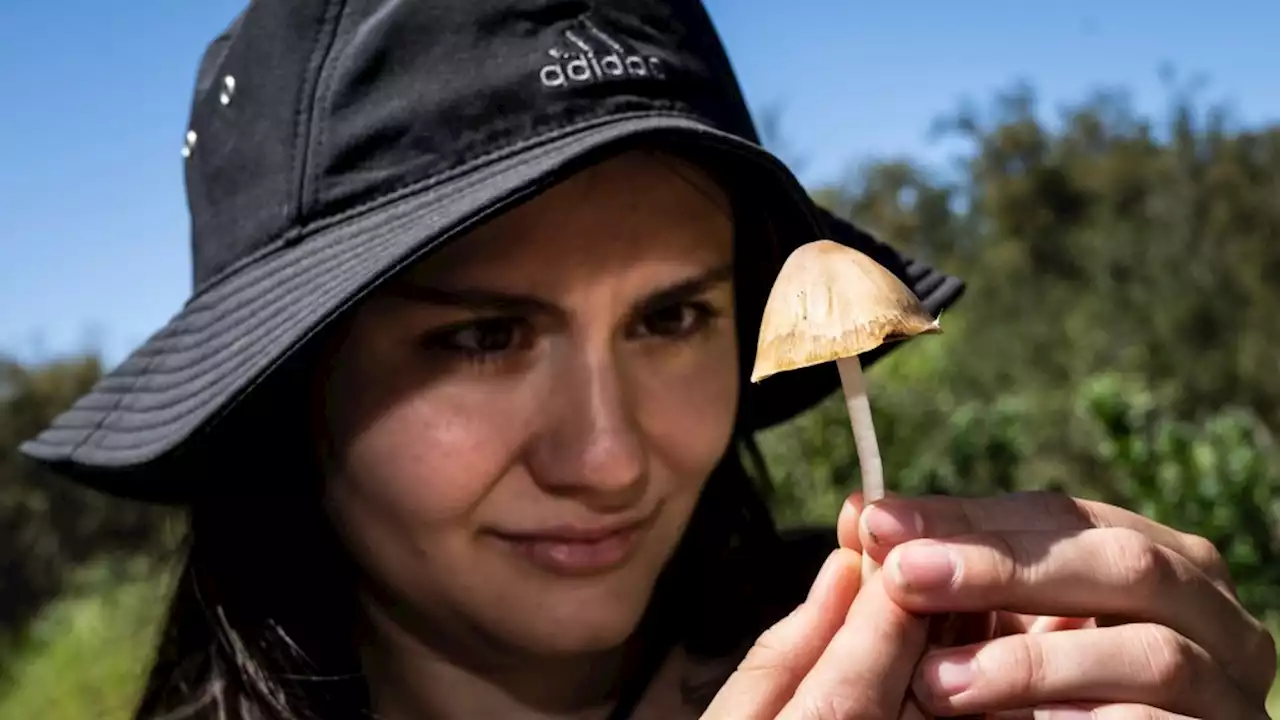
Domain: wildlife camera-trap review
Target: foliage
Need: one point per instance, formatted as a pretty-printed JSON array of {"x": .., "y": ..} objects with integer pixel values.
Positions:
[
  {"x": 1219, "y": 478},
  {"x": 86, "y": 654},
  {"x": 57, "y": 525}
]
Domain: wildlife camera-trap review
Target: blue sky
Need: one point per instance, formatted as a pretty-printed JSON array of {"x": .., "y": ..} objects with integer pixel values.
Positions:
[{"x": 93, "y": 103}]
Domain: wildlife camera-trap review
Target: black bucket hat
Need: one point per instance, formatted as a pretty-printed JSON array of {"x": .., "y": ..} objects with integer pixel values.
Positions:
[{"x": 334, "y": 142}]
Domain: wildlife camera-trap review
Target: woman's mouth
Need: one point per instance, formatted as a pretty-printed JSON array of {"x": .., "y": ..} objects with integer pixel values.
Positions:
[{"x": 577, "y": 551}]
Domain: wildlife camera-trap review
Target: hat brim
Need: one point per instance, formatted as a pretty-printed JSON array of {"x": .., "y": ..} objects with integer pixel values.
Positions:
[{"x": 227, "y": 339}]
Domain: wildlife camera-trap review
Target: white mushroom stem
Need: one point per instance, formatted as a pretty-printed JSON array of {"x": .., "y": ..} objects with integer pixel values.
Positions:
[{"x": 864, "y": 439}]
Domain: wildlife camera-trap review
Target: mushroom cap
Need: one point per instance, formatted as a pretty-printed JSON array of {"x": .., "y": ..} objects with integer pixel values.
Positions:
[{"x": 831, "y": 301}]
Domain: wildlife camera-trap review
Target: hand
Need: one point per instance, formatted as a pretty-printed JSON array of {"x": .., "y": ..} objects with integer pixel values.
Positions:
[
  {"x": 1144, "y": 620},
  {"x": 841, "y": 655}
]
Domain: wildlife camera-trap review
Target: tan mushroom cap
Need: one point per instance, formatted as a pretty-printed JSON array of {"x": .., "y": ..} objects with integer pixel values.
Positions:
[{"x": 831, "y": 301}]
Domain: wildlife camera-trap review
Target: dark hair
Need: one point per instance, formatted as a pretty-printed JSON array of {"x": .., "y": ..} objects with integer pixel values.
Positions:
[{"x": 255, "y": 626}]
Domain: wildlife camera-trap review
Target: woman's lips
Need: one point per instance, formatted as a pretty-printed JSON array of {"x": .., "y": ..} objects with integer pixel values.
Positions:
[{"x": 577, "y": 552}]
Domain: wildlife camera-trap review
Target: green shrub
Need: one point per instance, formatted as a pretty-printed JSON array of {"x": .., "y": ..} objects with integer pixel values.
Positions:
[{"x": 86, "y": 655}]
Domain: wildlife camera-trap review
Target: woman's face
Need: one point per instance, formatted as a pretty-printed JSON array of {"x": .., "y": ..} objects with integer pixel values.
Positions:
[{"x": 519, "y": 429}]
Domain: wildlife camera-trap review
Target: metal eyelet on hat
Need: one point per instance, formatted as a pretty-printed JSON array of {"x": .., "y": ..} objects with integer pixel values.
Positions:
[
  {"x": 228, "y": 89},
  {"x": 190, "y": 144}
]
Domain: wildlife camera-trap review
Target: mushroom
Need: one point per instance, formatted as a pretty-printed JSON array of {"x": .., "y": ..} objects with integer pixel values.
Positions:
[{"x": 832, "y": 302}]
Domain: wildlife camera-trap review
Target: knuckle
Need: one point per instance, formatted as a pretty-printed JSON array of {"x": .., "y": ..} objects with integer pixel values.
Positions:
[
  {"x": 845, "y": 701},
  {"x": 1261, "y": 649},
  {"x": 1059, "y": 508},
  {"x": 1019, "y": 661},
  {"x": 1171, "y": 661},
  {"x": 773, "y": 653},
  {"x": 1009, "y": 562},
  {"x": 768, "y": 655},
  {"x": 1205, "y": 555},
  {"x": 835, "y": 706},
  {"x": 1138, "y": 564},
  {"x": 1035, "y": 666}
]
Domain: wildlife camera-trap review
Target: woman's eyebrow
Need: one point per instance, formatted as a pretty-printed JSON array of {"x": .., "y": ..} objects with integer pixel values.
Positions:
[
  {"x": 476, "y": 299},
  {"x": 498, "y": 301},
  {"x": 691, "y": 287}
]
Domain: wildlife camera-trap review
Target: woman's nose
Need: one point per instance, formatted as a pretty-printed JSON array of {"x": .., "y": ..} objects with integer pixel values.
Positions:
[{"x": 591, "y": 441}]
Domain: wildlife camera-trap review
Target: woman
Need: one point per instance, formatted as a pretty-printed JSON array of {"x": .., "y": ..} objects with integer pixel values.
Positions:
[{"x": 457, "y": 409}]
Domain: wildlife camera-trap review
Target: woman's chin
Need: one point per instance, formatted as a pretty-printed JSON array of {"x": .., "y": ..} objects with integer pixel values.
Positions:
[{"x": 571, "y": 628}]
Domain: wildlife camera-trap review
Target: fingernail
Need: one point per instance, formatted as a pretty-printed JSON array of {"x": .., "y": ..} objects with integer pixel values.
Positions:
[
  {"x": 1063, "y": 713},
  {"x": 924, "y": 565},
  {"x": 948, "y": 676},
  {"x": 890, "y": 526},
  {"x": 826, "y": 576}
]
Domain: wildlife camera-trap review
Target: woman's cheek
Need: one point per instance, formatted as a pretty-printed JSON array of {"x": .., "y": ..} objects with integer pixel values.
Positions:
[
  {"x": 408, "y": 497},
  {"x": 432, "y": 462},
  {"x": 689, "y": 406}
]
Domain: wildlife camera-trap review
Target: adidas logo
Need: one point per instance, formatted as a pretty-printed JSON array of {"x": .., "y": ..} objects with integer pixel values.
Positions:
[{"x": 586, "y": 64}]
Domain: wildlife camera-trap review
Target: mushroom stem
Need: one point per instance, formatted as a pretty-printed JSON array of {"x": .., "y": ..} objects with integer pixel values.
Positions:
[{"x": 864, "y": 439}]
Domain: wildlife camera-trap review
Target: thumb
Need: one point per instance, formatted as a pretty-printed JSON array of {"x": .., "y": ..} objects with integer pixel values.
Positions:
[{"x": 772, "y": 670}]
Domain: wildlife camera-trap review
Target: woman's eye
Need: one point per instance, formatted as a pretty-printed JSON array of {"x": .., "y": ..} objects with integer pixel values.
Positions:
[
  {"x": 677, "y": 320},
  {"x": 481, "y": 338},
  {"x": 487, "y": 337}
]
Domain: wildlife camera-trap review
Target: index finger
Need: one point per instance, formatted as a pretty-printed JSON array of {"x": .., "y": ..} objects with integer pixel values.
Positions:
[
  {"x": 895, "y": 520},
  {"x": 867, "y": 668},
  {"x": 847, "y": 523},
  {"x": 773, "y": 668}
]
